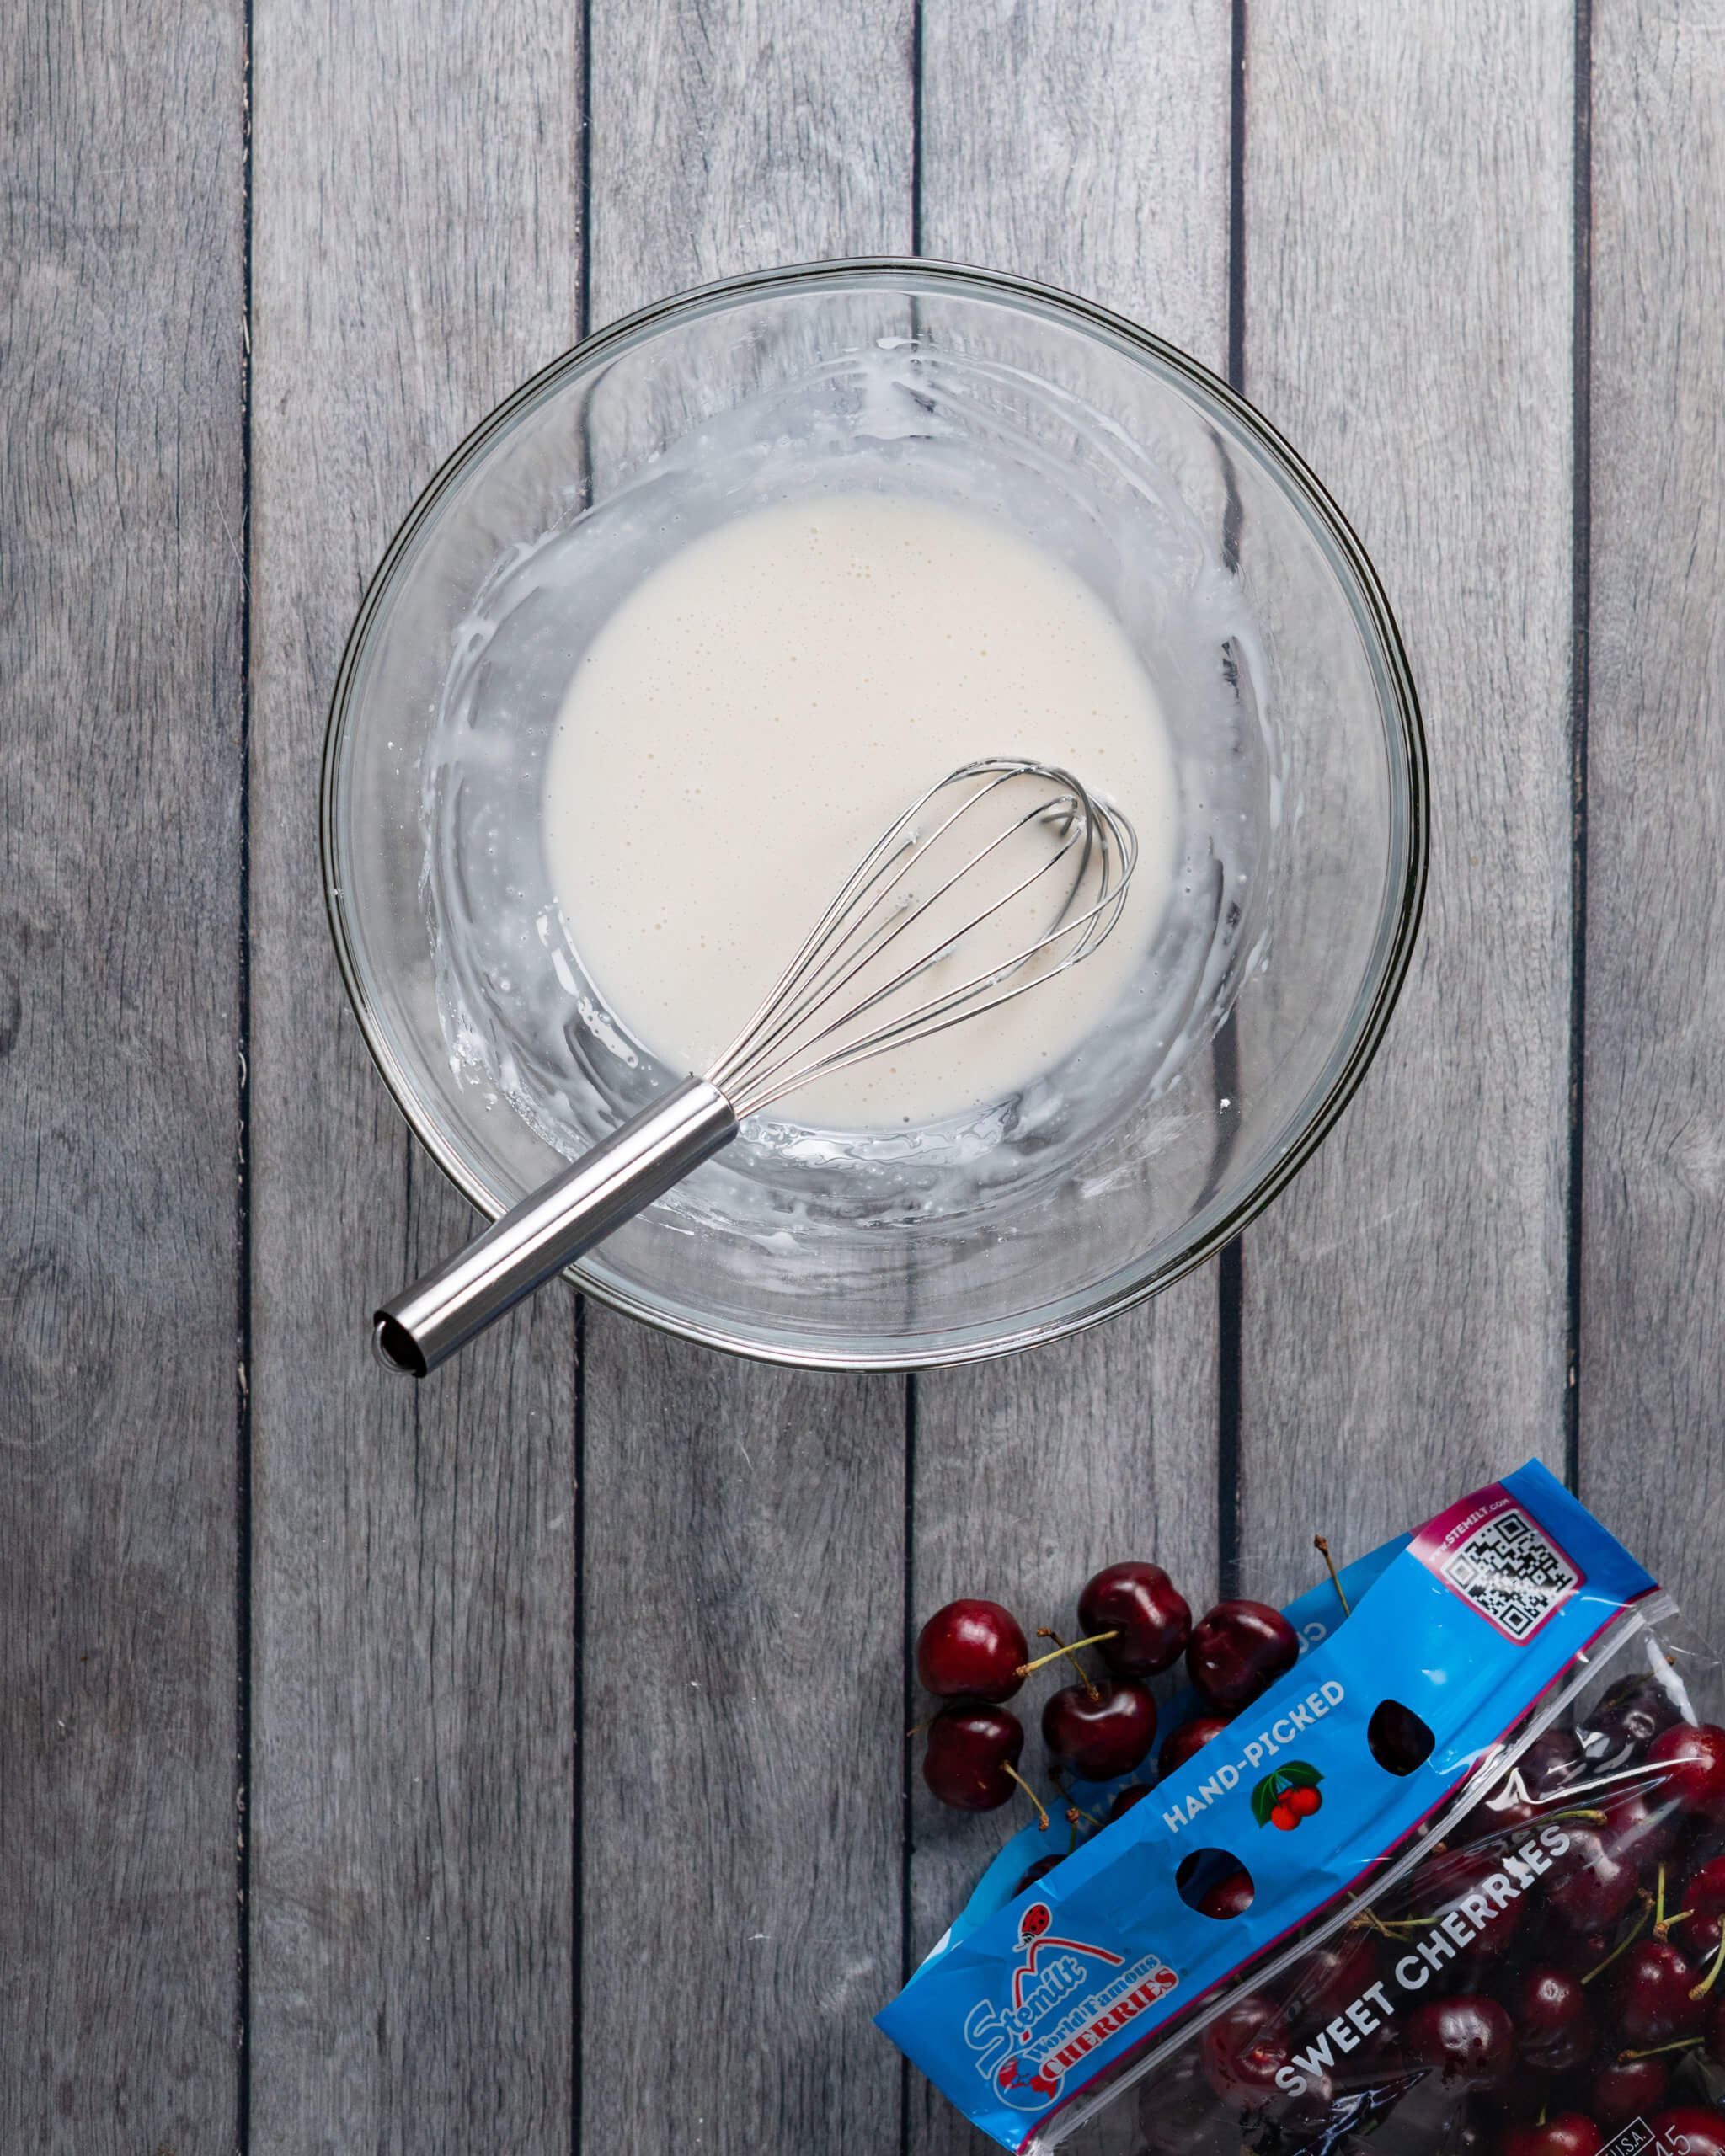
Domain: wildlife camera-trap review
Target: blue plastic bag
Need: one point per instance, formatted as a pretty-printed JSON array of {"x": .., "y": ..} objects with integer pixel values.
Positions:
[{"x": 1416, "y": 1857}]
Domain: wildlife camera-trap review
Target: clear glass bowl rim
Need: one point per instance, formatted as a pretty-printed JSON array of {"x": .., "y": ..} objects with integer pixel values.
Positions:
[{"x": 1410, "y": 805}]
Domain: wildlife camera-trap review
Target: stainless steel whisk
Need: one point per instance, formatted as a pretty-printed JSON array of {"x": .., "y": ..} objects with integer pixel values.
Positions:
[{"x": 840, "y": 1000}]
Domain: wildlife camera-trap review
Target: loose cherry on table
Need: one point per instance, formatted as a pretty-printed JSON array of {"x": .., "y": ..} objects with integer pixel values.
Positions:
[
  {"x": 1146, "y": 1615},
  {"x": 1098, "y": 1730},
  {"x": 972, "y": 1649},
  {"x": 970, "y": 1749},
  {"x": 1189, "y": 1737},
  {"x": 1238, "y": 1649}
]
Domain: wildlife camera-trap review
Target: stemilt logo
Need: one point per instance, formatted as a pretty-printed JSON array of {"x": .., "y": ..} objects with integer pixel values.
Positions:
[{"x": 1067, "y": 1998}]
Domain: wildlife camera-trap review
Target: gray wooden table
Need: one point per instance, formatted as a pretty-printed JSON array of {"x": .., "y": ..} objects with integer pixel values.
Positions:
[{"x": 512, "y": 1764}]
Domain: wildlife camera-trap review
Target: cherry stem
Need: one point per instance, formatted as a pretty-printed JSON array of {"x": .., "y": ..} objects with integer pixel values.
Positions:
[
  {"x": 1708, "y": 1981},
  {"x": 1628, "y": 1940},
  {"x": 1323, "y": 1550},
  {"x": 1046, "y": 1632},
  {"x": 1659, "y": 1907},
  {"x": 1073, "y": 1816},
  {"x": 1682, "y": 2044},
  {"x": 1041, "y": 1808},
  {"x": 920, "y": 1727},
  {"x": 1042, "y": 1661}
]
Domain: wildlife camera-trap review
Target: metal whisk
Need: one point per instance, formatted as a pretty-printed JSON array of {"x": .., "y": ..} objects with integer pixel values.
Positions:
[{"x": 901, "y": 953}]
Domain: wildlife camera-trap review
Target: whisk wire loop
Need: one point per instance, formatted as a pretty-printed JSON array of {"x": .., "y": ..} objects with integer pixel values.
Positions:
[{"x": 804, "y": 1028}]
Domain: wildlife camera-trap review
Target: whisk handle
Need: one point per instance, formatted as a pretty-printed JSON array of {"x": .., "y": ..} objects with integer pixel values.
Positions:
[{"x": 428, "y": 1321}]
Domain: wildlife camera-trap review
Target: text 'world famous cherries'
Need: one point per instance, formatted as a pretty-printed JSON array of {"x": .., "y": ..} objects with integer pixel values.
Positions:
[
  {"x": 972, "y": 1751},
  {"x": 1138, "y": 1619},
  {"x": 1098, "y": 1730},
  {"x": 1237, "y": 1650},
  {"x": 974, "y": 1650}
]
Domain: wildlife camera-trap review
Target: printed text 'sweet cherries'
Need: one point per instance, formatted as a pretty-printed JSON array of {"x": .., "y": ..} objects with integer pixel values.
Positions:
[
  {"x": 971, "y": 1650},
  {"x": 1146, "y": 1613},
  {"x": 1239, "y": 1650}
]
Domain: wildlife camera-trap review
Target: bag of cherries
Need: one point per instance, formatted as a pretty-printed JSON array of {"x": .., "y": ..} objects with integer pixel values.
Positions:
[{"x": 1453, "y": 1882}]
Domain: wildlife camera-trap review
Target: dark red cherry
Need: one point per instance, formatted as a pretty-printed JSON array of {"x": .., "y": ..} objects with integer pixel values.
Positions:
[
  {"x": 1039, "y": 1870},
  {"x": 1651, "y": 2004},
  {"x": 1189, "y": 1737},
  {"x": 1124, "y": 1799},
  {"x": 1239, "y": 1650},
  {"x": 1693, "y": 1763},
  {"x": 1468, "y": 2041},
  {"x": 971, "y": 1650},
  {"x": 1627, "y": 1721},
  {"x": 1593, "y": 1885},
  {"x": 1694, "y": 2129},
  {"x": 1331, "y": 1978},
  {"x": 1549, "y": 2011},
  {"x": 1699, "y": 1936},
  {"x": 1243, "y": 2049},
  {"x": 969, "y": 1749},
  {"x": 1230, "y": 1896},
  {"x": 1569, "y": 2134},
  {"x": 1625, "y": 2089},
  {"x": 1705, "y": 1892},
  {"x": 1519, "y": 2097},
  {"x": 1399, "y": 1741},
  {"x": 1098, "y": 1734},
  {"x": 1642, "y": 1825},
  {"x": 1141, "y": 1604}
]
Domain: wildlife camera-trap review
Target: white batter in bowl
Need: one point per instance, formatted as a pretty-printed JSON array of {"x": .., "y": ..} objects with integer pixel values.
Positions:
[{"x": 695, "y": 614}]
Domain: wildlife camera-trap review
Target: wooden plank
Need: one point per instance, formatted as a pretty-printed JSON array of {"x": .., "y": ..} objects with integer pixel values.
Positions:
[
  {"x": 1408, "y": 324},
  {"x": 121, "y": 499},
  {"x": 1653, "y": 1360},
  {"x": 1087, "y": 146},
  {"x": 416, "y": 254},
  {"x": 118, "y": 833},
  {"x": 742, "y": 1527}
]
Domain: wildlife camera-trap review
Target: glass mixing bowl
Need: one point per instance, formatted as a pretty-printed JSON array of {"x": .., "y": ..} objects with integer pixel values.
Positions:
[{"x": 1257, "y": 1003}]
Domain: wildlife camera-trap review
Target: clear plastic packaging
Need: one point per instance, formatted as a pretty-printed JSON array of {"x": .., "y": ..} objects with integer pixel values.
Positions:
[{"x": 1456, "y": 1883}]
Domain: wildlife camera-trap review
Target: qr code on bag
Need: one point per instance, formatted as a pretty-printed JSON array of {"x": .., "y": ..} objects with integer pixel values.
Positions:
[{"x": 1511, "y": 1574}]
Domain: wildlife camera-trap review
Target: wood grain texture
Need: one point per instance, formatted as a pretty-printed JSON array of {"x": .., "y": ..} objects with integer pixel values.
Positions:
[
  {"x": 743, "y": 1528},
  {"x": 1087, "y": 146},
  {"x": 416, "y": 254},
  {"x": 1653, "y": 1361},
  {"x": 1408, "y": 324},
  {"x": 121, "y": 503}
]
